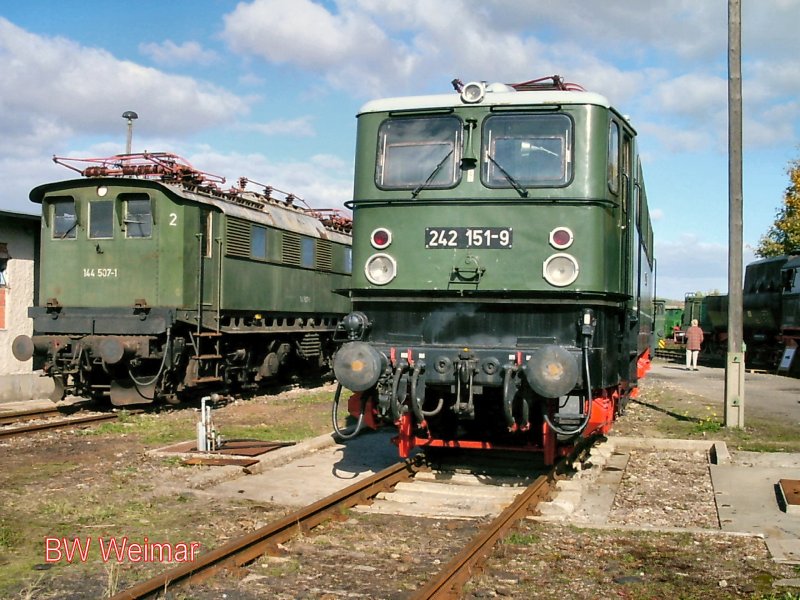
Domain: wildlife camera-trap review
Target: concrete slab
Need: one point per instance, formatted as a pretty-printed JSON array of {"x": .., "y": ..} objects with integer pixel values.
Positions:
[
  {"x": 438, "y": 499},
  {"x": 312, "y": 476},
  {"x": 745, "y": 486},
  {"x": 320, "y": 469},
  {"x": 18, "y": 405},
  {"x": 599, "y": 491},
  {"x": 747, "y": 501},
  {"x": 25, "y": 386}
]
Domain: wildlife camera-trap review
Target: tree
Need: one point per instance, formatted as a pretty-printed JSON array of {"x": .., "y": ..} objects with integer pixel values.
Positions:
[{"x": 783, "y": 236}]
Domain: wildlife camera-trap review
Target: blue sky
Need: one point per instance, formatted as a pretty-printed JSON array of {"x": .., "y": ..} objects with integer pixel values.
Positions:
[{"x": 269, "y": 89}]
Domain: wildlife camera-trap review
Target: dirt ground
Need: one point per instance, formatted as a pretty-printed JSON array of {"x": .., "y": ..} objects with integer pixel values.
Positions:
[{"x": 95, "y": 485}]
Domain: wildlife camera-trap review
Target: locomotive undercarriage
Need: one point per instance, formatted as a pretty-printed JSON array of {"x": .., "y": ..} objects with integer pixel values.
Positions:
[
  {"x": 570, "y": 380},
  {"x": 138, "y": 364},
  {"x": 466, "y": 407}
]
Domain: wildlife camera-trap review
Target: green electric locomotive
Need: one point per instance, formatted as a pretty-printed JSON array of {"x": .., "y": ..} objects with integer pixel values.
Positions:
[
  {"x": 158, "y": 284},
  {"x": 503, "y": 282}
]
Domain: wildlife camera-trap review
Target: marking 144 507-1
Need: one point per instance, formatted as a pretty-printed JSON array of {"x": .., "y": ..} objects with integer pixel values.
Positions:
[{"x": 100, "y": 272}]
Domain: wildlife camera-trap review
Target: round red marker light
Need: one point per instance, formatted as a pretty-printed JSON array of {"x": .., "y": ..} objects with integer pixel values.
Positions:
[
  {"x": 561, "y": 238},
  {"x": 381, "y": 238}
]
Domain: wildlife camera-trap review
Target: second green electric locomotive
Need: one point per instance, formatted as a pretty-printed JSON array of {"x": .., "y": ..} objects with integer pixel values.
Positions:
[{"x": 157, "y": 283}]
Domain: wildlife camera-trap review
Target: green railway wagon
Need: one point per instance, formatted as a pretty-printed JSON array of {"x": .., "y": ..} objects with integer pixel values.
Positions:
[
  {"x": 667, "y": 319},
  {"x": 158, "y": 284}
]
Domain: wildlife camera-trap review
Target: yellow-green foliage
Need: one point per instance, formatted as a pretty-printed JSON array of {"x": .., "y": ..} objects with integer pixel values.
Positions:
[{"x": 784, "y": 235}]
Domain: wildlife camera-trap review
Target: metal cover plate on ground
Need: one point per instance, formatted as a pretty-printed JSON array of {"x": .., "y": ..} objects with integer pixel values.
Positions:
[
  {"x": 232, "y": 447},
  {"x": 217, "y": 461},
  {"x": 790, "y": 493}
]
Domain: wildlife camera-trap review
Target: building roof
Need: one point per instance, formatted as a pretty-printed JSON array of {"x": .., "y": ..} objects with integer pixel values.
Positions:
[{"x": 16, "y": 215}]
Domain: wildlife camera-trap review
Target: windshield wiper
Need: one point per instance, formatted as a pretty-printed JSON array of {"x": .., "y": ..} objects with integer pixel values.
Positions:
[
  {"x": 514, "y": 183},
  {"x": 433, "y": 174},
  {"x": 70, "y": 230}
]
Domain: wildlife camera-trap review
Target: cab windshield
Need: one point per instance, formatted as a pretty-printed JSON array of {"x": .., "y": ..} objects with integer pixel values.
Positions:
[
  {"x": 527, "y": 150},
  {"x": 418, "y": 153}
]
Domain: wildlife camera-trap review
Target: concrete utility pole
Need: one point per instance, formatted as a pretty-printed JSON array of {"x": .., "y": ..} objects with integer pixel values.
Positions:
[{"x": 734, "y": 364}]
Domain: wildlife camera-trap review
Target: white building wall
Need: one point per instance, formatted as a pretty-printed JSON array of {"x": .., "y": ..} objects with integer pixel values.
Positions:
[
  {"x": 19, "y": 292},
  {"x": 20, "y": 234}
]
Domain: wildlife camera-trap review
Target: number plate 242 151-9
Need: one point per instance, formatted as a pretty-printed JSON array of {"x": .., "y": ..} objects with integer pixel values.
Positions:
[{"x": 468, "y": 237}]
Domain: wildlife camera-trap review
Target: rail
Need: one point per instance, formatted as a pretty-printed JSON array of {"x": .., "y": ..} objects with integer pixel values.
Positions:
[
  {"x": 448, "y": 583},
  {"x": 249, "y": 547},
  {"x": 451, "y": 579},
  {"x": 17, "y": 416},
  {"x": 60, "y": 424}
]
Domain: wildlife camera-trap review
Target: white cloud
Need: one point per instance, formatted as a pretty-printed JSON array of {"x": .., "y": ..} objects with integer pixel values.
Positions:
[
  {"x": 52, "y": 87},
  {"x": 683, "y": 141},
  {"x": 56, "y": 94},
  {"x": 301, "y": 126},
  {"x": 323, "y": 181},
  {"x": 693, "y": 95},
  {"x": 664, "y": 62},
  {"x": 348, "y": 48},
  {"x": 169, "y": 53},
  {"x": 688, "y": 264},
  {"x": 626, "y": 27}
]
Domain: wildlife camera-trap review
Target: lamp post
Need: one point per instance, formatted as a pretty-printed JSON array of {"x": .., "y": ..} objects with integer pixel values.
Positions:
[{"x": 130, "y": 116}]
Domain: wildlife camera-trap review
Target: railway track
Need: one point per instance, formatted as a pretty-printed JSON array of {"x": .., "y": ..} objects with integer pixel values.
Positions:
[
  {"x": 18, "y": 416},
  {"x": 446, "y": 584},
  {"x": 245, "y": 549},
  {"x": 673, "y": 354},
  {"x": 12, "y": 418},
  {"x": 450, "y": 580}
]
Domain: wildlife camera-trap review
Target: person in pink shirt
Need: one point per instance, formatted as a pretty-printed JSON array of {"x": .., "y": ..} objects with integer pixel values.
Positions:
[{"x": 694, "y": 338}]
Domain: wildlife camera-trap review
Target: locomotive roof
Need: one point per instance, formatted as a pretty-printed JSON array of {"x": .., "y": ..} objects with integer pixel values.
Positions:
[
  {"x": 496, "y": 95},
  {"x": 272, "y": 214}
]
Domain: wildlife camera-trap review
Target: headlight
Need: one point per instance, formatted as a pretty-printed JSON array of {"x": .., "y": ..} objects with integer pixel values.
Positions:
[
  {"x": 560, "y": 269},
  {"x": 473, "y": 92},
  {"x": 380, "y": 269}
]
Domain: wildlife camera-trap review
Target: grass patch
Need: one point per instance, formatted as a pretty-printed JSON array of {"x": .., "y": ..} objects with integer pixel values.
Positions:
[
  {"x": 18, "y": 478},
  {"x": 9, "y": 536},
  {"x": 311, "y": 397},
  {"x": 274, "y": 433},
  {"x": 149, "y": 428},
  {"x": 671, "y": 414},
  {"x": 90, "y": 517},
  {"x": 521, "y": 539}
]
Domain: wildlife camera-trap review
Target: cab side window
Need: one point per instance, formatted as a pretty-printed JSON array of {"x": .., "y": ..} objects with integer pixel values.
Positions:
[
  {"x": 101, "y": 220},
  {"x": 138, "y": 215},
  {"x": 65, "y": 218},
  {"x": 613, "y": 158}
]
